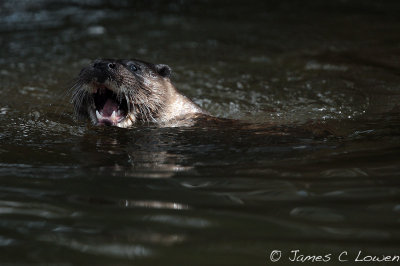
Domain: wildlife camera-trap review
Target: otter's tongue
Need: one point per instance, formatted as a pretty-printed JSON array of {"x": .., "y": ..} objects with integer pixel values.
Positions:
[{"x": 109, "y": 107}]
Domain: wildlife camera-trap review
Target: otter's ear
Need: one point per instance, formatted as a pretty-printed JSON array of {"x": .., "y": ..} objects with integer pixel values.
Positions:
[{"x": 163, "y": 70}]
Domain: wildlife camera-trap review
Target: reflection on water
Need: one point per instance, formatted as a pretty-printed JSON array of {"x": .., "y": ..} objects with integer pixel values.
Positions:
[
  {"x": 154, "y": 204},
  {"x": 313, "y": 163}
]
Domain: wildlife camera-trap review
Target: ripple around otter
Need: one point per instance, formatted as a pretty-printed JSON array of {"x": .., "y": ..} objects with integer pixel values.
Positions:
[{"x": 219, "y": 192}]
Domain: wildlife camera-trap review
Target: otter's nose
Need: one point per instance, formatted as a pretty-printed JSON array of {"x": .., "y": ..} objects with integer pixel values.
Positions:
[{"x": 104, "y": 64}]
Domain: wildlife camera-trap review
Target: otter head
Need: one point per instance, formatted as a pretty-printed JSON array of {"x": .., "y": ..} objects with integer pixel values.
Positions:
[{"x": 121, "y": 92}]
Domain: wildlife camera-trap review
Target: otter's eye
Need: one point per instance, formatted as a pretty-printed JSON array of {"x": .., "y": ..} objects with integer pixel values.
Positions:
[{"x": 133, "y": 67}]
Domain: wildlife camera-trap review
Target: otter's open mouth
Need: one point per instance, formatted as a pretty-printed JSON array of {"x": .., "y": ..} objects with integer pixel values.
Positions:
[{"x": 109, "y": 108}]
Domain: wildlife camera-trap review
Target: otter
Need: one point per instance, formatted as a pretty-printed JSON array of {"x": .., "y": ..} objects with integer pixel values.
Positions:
[
  {"x": 123, "y": 93},
  {"x": 119, "y": 92}
]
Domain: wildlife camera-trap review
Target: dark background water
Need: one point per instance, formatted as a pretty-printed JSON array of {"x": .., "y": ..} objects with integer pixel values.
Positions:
[{"x": 216, "y": 193}]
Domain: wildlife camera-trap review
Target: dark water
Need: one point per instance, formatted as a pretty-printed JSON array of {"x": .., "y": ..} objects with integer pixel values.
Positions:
[{"x": 215, "y": 193}]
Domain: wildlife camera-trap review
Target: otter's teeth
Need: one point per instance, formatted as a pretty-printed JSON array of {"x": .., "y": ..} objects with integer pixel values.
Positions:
[
  {"x": 98, "y": 115},
  {"x": 113, "y": 115}
]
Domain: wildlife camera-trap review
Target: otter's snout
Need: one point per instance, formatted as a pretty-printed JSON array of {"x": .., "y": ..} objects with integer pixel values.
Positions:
[
  {"x": 100, "y": 69},
  {"x": 104, "y": 64}
]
